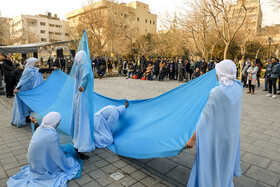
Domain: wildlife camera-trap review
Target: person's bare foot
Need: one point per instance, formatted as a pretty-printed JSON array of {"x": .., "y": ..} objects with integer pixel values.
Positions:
[{"x": 126, "y": 103}]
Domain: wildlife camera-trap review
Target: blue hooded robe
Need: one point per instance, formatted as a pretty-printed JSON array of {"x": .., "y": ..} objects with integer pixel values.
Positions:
[
  {"x": 104, "y": 122},
  {"x": 218, "y": 139},
  {"x": 48, "y": 165},
  {"x": 81, "y": 126},
  {"x": 30, "y": 78}
]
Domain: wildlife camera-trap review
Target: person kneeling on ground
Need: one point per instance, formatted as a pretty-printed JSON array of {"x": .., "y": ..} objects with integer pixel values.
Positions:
[
  {"x": 48, "y": 165},
  {"x": 104, "y": 123}
]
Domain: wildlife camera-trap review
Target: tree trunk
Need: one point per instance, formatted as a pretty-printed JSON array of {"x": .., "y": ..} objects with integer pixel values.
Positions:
[
  {"x": 258, "y": 51},
  {"x": 226, "y": 50}
]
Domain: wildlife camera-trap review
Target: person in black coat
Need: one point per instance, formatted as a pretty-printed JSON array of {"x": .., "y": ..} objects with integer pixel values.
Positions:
[
  {"x": 62, "y": 62},
  {"x": 156, "y": 68},
  {"x": 9, "y": 75},
  {"x": 203, "y": 66},
  {"x": 50, "y": 62},
  {"x": 101, "y": 70},
  {"x": 188, "y": 69},
  {"x": 56, "y": 63},
  {"x": 18, "y": 72}
]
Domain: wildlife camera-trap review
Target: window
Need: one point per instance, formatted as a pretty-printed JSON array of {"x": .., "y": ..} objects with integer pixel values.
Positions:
[
  {"x": 42, "y": 32},
  {"x": 43, "y": 39},
  {"x": 66, "y": 34},
  {"x": 58, "y": 26},
  {"x": 51, "y": 25},
  {"x": 138, "y": 19},
  {"x": 153, "y": 22},
  {"x": 125, "y": 15},
  {"x": 42, "y": 23},
  {"x": 144, "y": 7},
  {"x": 146, "y": 20},
  {"x": 150, "y": 21},
  {"x": 51, "y": 32},
  {"x": 57, "y": 33},
  {"x": 32, "y": 23}
]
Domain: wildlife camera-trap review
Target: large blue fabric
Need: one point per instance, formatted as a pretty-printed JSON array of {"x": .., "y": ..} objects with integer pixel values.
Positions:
[
  {"x": 156, "y": 127},
  {"x": 30, "y": 78},
  {"x": 218, "y": 139},
  {"x": 48, "y": 165}
]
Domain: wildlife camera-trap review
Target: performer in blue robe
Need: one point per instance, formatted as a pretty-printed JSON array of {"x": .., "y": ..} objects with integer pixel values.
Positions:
[
  {"x": 81, "y": 127},
  {"x": 30, "y": 78},
  {"x": 104, "y": 122},
  {"x": 48, "y": 165},
  {"x": 217, "y": 134}
]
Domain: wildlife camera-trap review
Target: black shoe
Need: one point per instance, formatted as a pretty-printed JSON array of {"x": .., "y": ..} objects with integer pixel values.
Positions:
[
  {"x": 265, "y": 90},
  {"x": 9, "y": 96},
  {"x": 27, "y": 119},
  {"x": 13, "y": 124},
  {"x": 83, "y": 156}
]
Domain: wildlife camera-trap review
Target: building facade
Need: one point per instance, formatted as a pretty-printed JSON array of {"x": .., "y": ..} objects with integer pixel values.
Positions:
[
  {"x": 254, "y": 15},
  {"x": 38, "y": 29},
  {"x": 136, "y": 14},
  {"x": 4, "y": 31}
]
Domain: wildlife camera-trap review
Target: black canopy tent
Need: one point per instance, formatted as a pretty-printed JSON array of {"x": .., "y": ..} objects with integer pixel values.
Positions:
[{"x": 29, "y": 48}]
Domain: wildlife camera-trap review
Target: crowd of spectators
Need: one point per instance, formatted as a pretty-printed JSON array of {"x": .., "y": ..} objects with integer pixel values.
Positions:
[
  {"x": 182, "y": 70},
  {"x": 155, "y": 68}
]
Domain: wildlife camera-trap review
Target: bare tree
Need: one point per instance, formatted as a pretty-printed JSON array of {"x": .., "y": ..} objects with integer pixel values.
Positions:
[
  {"x": 227, "y": 17},
  {"x": 107, "y": 25}
]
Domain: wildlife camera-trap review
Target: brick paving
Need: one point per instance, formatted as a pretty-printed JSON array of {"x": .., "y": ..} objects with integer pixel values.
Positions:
[{"x": 260, "y": 144}]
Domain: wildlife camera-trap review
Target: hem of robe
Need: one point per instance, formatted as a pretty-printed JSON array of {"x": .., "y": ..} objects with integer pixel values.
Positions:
[
  {"x": 23, "y": 178},
  {"x": 85, "y": 150},
  {"x": 238, "y": 174}
]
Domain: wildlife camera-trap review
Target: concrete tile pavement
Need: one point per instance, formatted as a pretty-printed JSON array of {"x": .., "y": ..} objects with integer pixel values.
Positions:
[{"x": 260, "y": 144}]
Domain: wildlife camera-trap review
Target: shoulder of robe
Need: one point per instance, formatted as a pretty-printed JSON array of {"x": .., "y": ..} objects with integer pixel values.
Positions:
[
  {"x": 52, "y": 134},
  {"x": 28, "y": 70}
]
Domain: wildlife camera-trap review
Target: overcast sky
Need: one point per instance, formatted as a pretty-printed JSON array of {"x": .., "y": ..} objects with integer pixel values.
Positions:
[{"x": 12, "y": 8}]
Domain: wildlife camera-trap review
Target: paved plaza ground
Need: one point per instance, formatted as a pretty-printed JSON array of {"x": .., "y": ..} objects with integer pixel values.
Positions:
[{"x": 260, "y": 144}]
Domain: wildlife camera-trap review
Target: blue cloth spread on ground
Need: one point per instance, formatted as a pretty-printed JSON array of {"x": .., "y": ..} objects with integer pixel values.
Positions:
[
  {"x": 150, "y": 128},
  {"x": 218, "y": 139},
  {"x": 104, "y": 124},
  {"x": 30, "y": 78},
  {"x": 48, "y": 165},
  {"x": 156, "y": 127}
]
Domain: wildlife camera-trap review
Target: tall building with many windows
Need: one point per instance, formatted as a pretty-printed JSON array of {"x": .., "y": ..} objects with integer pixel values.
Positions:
[
  {"x": 136, "y": 13},
  {"x": 38, "y": 29},
  {"x": 254, "y": 15}
]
